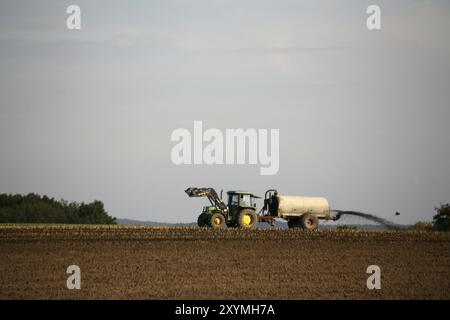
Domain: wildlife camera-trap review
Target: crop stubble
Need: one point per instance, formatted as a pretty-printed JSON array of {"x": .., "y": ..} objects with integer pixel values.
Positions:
[{"x": 193, "y": 263}]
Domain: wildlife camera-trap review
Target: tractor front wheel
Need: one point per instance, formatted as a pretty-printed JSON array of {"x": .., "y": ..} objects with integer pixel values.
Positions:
[
  {"x": 247, "y": 219},
  {"x": 217, "y": 221},
  {"x": 202, "y": 220}
]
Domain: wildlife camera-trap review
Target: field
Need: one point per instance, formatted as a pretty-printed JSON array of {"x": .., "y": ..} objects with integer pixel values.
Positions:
[{"x": 191, "y": 263}]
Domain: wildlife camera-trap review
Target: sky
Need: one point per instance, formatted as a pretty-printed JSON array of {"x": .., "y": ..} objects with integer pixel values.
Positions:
[{"x": 363, "y": 115}]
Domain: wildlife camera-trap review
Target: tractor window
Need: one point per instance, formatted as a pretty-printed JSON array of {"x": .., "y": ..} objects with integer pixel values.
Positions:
[
  {"x": 245, "y": 200},
  {"x": 234, "y": 200}
]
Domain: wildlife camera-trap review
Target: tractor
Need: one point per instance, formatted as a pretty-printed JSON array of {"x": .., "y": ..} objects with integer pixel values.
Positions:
[
  {"x": 239, "y": 212},
  {"x": 298, "y": 211}
]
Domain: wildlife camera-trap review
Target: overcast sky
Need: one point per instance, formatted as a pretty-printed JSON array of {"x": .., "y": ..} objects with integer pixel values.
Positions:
[{"x": 363, "y": 115}]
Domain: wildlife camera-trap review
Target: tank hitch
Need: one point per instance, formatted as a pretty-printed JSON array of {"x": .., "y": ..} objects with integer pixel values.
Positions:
[{"x": 336, "y": 215}]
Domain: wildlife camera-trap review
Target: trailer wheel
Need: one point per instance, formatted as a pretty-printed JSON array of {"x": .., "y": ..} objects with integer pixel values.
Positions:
[
  {"x": 247, "y": 219},
  {"x": 309, "y": 222},
  {"x": 202, "y": 220},
  {"x": 217, "y": 221}
]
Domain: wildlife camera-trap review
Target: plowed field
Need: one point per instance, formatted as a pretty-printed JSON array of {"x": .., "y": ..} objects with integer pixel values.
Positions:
[{"x": 192, "y": 263}]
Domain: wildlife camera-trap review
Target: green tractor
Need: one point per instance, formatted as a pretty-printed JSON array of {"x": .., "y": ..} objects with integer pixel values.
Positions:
[{"x": 239, "y": 213}]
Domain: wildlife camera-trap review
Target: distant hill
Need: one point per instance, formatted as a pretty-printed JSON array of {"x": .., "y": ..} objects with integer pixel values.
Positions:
[
  {"x": 278, "y": 224},
  {"x": 132, "y": 222}
]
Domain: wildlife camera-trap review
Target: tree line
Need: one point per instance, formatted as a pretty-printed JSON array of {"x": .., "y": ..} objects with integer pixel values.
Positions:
[{"x": 33, "y": 208}]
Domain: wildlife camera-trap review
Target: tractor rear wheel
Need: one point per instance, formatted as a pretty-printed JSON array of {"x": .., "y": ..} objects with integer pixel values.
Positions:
[
  {"x": 202, "y": 220},
  {"x": 217, "y": 221},
  {"x": 309, "y": 222},
  {"x": 247, "y": 219}
]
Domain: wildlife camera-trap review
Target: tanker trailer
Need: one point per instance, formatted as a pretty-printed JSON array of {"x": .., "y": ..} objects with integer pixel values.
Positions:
[{"x": 300, "y": 212}]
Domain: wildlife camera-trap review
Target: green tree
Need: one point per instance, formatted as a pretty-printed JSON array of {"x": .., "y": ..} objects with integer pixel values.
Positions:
[
  {"x": 441, "y": 221},
  {"x": 33, "y": 208}
]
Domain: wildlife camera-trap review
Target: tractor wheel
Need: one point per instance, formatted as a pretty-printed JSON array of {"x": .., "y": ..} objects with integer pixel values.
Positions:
[
  {"x": 202, "y": 220},
  {"x": 247, "y": 219},
  {"x": 217, "y": 221},
  {"x": 294, "y": 223},
  {"x": 309, "y": 222}
]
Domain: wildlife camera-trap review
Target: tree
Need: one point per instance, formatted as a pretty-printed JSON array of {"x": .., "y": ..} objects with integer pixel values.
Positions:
[
  {"x": 33, "y": 208},
  {"x": 441, "y": 221}
]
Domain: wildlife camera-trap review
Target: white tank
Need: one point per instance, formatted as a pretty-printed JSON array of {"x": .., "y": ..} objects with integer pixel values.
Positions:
[{"x": 289, "y": 206}]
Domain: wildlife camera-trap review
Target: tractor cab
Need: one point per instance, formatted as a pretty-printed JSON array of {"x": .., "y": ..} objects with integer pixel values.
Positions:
[{"x": 241, "y": 199}]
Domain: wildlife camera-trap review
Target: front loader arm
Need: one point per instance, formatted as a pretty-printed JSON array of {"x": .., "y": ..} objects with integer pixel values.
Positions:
[{"x": 211, "y": 194}]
